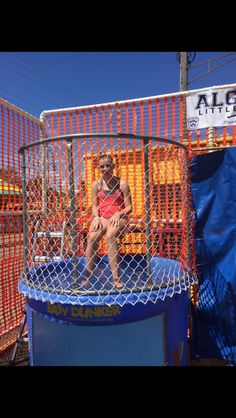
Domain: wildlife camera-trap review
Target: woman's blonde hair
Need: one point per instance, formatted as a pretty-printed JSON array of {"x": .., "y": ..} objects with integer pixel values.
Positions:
[{"x": 104, "y": 157}]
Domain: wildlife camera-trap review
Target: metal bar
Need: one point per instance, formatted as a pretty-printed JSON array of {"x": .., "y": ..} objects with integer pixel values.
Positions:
[
  {"x": 24, "y": 215},
  {"x": 210, "y": 148},
  {"x": 45, "y": 179},
  {"x": 62, "y": 239},
  {"x": 72, "y": 209},
  {"x": 189, "y": 214},
  {"x": 148, "y": 210},
  {"x": 19, "y": 338},
  {"x": 35, "y": 240},
  {"x": 15, "y": 213},
  {"x": 98, "y": 135}
]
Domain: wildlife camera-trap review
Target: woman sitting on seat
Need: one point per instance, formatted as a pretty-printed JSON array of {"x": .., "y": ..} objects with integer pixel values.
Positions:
[{"x": 111, "y": 205}]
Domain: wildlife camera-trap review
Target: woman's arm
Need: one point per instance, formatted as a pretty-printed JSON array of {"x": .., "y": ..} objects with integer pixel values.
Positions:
[
  {"x": 96, "y": 222},
  {"x": 95, "y": 207},
  {"x": 127, "y": 199}
]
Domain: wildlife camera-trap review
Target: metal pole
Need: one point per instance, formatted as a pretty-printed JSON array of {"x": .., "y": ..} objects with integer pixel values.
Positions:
[
  {"x": 187, "y": 196},
  {"x": 72, "y": 209},
  {"x": 45, "y": 181},
  {"x": 148, "y": 210},
  {"x": 45, "y": 174},
  {"x": 184, "y": 87},
  {"x": 211, "y": 136},
  {"x": 211, "y": 148},
  {"x": 25, "y": 227},
  {"x": 18, "y": 340}
]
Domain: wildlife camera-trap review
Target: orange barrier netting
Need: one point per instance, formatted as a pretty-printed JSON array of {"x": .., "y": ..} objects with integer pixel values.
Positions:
[
  {"x": 16, "y": 128},
  {"x": 162, "y": 116}
]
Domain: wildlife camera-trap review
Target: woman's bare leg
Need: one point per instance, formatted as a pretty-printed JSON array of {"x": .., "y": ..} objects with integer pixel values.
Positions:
[
  {"x": 113, "y": 251},
  {"x": 114, "y": 258},
  {"x": 93, "y": 239}
]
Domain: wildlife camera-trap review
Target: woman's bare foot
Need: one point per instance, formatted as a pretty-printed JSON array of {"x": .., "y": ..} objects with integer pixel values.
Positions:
[
  {"x": 74, "y": 286},
  {"x": 86, "y": 278},
  {"x": 118, "y": 284},
  {"x": 85, "y": 282}
]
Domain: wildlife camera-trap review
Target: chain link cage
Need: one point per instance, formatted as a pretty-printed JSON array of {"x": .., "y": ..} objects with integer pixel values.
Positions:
[{"x": 121, "y": 235}]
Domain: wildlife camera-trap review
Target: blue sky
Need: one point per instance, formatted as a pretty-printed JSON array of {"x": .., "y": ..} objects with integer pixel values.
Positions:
[{"x": 38, "y": 81}]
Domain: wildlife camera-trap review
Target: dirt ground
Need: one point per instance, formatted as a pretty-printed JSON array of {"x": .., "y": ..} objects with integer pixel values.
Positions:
[{"x": 21, "y": 357}]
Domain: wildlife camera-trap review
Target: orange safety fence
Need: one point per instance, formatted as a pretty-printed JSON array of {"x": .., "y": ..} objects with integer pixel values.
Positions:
[
  {"x": 162, "y": 116},
  {"x": 16, "y": 128}
]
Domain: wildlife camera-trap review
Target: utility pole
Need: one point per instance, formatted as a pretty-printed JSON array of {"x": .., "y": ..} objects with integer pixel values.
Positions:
[
  {"x": 183, "y": 60},
  {"x": 183, "y": 71}
]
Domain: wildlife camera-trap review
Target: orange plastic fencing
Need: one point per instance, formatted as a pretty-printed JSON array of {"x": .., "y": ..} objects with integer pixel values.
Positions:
[
  {"x": 16, "y": 128},
  {"x": 162, "y": 116}
]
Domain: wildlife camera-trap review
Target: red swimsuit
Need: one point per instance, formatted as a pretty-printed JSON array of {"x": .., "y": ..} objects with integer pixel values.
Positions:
[{"x": 110, "y": 202}]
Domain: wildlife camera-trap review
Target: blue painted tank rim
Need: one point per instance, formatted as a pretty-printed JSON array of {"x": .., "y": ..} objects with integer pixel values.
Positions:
[
  {"x": 168, "y": 278},
  {"x": 118, "y": 298}
]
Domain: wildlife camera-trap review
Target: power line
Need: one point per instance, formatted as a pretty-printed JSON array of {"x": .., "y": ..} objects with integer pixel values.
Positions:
[
  {"x": 72, "y": 62},
  {"x": 66, "y": 88},
  {"x": 23, "y": 86},
  {"x": 34, "y": 109},
  {"x": 48, "y": 85},
  {"x": 210, "y": 70},
  {"x": 213, "y": 59}
]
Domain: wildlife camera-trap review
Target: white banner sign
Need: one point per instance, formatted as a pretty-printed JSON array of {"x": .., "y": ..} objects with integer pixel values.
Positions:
[{"x": 214, "y": 107}]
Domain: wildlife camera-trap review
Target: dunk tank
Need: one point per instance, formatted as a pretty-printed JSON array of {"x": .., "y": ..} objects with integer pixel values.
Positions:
[{"x": 145, "y": 322}]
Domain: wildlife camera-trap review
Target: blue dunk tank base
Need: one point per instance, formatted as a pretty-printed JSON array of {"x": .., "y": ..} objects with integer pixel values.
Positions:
[
  {"x": 139, "y": 335},
  {"x": 92, "y": 332}
]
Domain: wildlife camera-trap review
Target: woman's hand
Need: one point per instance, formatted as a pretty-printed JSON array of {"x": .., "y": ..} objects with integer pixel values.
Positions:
[
  {"x": 96, "y": 225},
  {"x": 115, "y": 220}
]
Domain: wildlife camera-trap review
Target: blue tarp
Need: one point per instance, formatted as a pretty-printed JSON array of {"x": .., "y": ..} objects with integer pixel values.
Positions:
[{"x": 214, "y": 198}]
